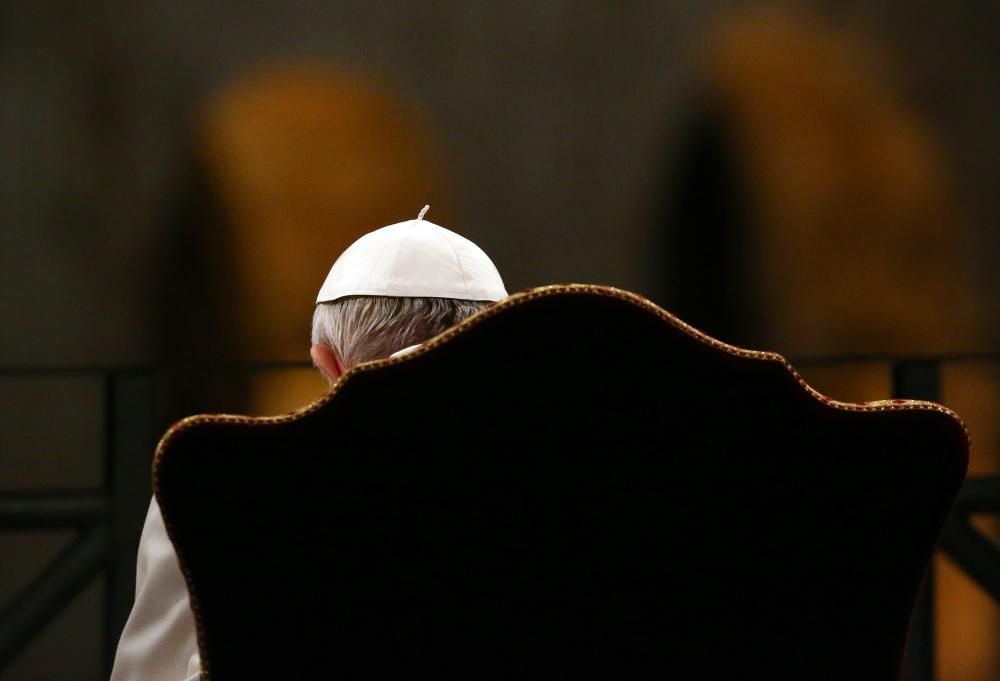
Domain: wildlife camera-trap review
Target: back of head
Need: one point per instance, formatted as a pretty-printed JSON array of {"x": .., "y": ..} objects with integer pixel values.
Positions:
[{"x": 363, "y": 328}]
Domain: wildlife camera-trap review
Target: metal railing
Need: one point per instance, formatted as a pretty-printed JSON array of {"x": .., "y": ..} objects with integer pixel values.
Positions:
[{"x": 108, "y": 520}]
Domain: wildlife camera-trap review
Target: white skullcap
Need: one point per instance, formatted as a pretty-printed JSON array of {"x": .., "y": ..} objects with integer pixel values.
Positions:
[{"x": 413, "y": 259}]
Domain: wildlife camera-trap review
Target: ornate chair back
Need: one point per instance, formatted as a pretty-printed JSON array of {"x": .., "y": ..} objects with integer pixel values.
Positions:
[{"x": 571, "y": 484}]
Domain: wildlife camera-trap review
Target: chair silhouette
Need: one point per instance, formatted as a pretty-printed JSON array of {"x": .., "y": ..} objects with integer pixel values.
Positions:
[{"x": 572, "y": 484}]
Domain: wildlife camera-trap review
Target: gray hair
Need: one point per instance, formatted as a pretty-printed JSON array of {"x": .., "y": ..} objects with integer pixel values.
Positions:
[{"x": 363, "y": 328}]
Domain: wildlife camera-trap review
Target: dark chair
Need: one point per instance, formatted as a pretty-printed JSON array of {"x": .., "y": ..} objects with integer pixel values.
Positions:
[{"x": 572, "y": 484}]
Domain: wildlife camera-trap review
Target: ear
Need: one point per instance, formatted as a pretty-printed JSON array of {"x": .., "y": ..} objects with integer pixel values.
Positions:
[{"x": 326, "y": 360}]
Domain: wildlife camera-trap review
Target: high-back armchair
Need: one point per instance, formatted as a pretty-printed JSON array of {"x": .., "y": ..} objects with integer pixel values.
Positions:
[{"x": 571, "y": 484}]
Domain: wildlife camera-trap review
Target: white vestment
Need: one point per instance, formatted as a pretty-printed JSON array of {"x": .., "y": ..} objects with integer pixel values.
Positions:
[{"x": 158, "y": 642}]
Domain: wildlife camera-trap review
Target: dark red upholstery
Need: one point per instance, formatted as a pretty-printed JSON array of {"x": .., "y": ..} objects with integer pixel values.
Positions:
[{"x": 572, "y": 484}]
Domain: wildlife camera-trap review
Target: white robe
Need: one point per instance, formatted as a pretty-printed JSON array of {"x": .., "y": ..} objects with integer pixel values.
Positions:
[{"x": 158, "y": 642}]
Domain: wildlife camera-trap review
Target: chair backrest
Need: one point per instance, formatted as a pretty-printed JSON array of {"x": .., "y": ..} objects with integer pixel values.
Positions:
[{"x": 572, "y": 483}]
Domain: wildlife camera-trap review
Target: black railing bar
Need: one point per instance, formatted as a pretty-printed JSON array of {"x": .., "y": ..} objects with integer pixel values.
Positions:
[
  {"x": 112, "y": 370},
  {"x": 25, "y": 617},
  {"x": 98, "y": 370},
  {"x": 72, "y": 371},
  {"x": 980, "y": 494},
  {"x": 888, "y": 358},
  {"x": 37, "y": 510},
  {"x": 975, "y": 554}
]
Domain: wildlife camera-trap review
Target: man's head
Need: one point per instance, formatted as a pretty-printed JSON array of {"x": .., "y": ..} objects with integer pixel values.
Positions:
[{"x": 396, "y": 287}]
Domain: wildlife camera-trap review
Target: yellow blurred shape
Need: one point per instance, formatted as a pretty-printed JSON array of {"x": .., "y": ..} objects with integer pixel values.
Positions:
[
  {"x": 861, "y": 244},
  {"x": 304, "y": 159}
]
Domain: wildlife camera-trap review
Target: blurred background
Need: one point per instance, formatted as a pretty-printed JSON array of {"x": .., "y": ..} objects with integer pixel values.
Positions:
[{"x": 817, "y": 178}]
